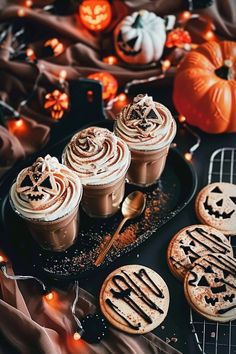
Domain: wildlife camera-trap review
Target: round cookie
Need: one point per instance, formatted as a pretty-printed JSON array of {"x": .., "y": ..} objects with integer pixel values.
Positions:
[
  {"x": 135, "y": 299},
  {"x": 215, "y": 205},
  {"x": 210, "y": 287},
  {"x": 192, "y": 242}
]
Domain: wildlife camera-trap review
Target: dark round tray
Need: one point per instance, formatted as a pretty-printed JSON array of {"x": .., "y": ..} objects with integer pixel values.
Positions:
[{"x": 164, "y": 200}]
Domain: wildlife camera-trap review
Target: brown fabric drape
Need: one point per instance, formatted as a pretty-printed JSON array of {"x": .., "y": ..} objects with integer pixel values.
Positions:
[{"x": 32, "y": 325}]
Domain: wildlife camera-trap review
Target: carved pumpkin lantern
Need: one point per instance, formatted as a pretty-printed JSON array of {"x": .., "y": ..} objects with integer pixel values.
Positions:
[
  {"x": 57, "y": 103},
  {"x": 53, "y": 47},
  {"x": 95, "y": 14},
  {"x": 109, "y": 84},
  {"x": 140, "y": 38},
  {"x": 205, "y": 86}
]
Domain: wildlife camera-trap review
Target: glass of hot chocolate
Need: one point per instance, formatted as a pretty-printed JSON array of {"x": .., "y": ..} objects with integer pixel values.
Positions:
[
  {"x": 148, "y": 128},
  {"x": 101, "y": 160},
  {"x": 47, "y": 196}
]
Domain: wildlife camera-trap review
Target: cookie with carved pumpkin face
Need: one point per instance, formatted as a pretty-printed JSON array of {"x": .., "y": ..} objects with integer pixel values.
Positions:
[
  {"x": 193, "y": 242},
  {"x": 216, "y": 206},
  {"x": 210, "y": 287}
]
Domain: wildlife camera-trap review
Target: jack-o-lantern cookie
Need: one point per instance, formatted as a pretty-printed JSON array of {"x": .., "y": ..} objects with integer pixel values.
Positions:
[
  {"x": 135, "y": 299},
  {"x": 210, "y": 287},
  {"x": 193, "y": 242},
  {"x": 216, "y": 206}
]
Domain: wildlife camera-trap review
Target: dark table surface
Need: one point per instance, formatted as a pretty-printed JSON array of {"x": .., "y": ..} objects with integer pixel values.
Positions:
[{"x": 153, "y": 252}]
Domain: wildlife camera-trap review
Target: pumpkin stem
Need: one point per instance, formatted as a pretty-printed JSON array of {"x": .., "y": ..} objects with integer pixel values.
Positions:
[
  {"x": 137, "y": 23},
  {"x": 226, "y": 71}
]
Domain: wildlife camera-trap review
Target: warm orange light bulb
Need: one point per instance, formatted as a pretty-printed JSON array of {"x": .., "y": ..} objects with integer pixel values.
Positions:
[
  {"x": 166, "y": 64},
  {"x": 19, "y": 123},
  {"x": 30, "y": 54},
  {"x": 76, "y": 336},
  {"x": 2, "y": 259},
  {"x": 28, "y": 3},
  {"x": 21, "y": 12},
  {"x": 186, "y": 15},
  {"x": 49, "y": 296},
  {"x": 111, "y": 60},
  {"x": 182, "y": 118},
  {"x": 188, "y": 156},
  {"x": 122, "y": 97},
  {"x": 209, "y": 35},
  {"x": 62, "y": 75}
]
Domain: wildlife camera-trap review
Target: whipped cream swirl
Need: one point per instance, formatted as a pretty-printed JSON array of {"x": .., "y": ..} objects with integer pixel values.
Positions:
[
  {"x": 145, "y": 124},
  {"x": 97, "y": 155},
  {"x": 46, "y": 190}
]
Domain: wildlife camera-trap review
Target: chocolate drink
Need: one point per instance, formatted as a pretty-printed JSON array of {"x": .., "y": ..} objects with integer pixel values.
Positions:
[
  {"x": 101, "y": 161},
  {"x": 148, "y": 128},
  {"x": 47, "y": 195}
]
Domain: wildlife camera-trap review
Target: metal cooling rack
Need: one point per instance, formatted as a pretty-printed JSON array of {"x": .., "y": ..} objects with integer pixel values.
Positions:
[{"x": 215, "y": 337}]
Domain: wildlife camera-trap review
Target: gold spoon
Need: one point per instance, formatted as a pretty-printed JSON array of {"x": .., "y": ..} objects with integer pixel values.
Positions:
[{"x": 132, "y": 206}]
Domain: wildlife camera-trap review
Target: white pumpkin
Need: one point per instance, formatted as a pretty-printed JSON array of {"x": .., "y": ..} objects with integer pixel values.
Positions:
[{"x": 140, "y": 38}]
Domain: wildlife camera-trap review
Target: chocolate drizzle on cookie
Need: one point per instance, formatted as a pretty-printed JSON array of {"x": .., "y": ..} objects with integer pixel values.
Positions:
[
  {"x": 209, "y": 242},
  {"x": 125, "y": 286},
  {"x": 223, "y": 311},
  {"x": 122, "y": 315}
]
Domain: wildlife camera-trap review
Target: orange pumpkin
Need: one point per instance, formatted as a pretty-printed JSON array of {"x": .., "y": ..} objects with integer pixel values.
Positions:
[
  {"x": 205, "y": 87},
  {"x": 95, "y": 14}
]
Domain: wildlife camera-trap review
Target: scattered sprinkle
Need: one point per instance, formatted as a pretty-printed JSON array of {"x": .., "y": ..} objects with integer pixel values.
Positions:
[{"x": 95, "y": 233}]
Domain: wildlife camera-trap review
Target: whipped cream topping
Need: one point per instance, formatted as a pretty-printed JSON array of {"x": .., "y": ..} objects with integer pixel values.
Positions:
[
  {"x": 46, "y": 190},
  {"x": 97, "y": 155},
  {"x": 145, "y": 124}
]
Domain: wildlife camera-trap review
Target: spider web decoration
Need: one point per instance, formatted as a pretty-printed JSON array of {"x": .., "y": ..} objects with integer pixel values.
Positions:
[{"x": 214, "y": 337}]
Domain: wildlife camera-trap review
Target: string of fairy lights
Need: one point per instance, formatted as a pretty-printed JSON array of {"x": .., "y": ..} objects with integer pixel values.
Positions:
[
  {"x": 48, "y": 295},
  {"x": 57, "y": 102}
]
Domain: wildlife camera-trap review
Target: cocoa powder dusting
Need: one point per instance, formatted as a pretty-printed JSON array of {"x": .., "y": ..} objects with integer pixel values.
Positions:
[{"x": 95, "y": 233}]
